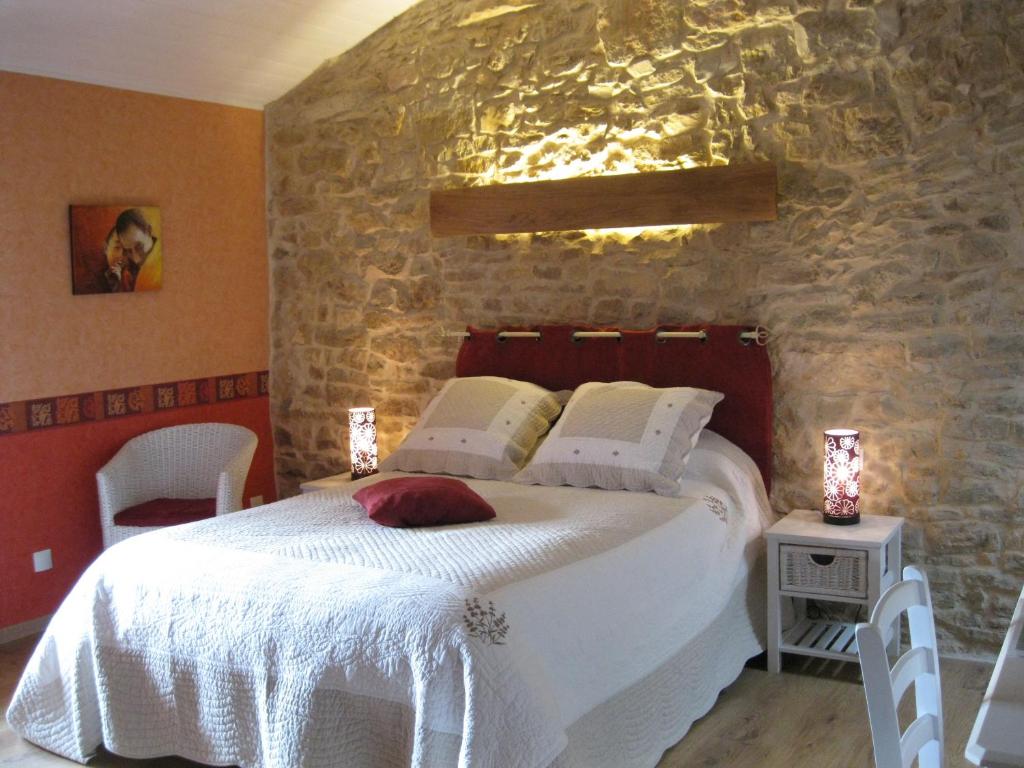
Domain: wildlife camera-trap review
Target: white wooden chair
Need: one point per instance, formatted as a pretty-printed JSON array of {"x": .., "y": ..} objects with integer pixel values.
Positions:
[
  {"x": 885, "y": 687},
  {"x": 204, "y": 462}
]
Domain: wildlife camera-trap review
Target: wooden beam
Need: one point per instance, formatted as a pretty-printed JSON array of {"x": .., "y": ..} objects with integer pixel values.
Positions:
[{"x": 720, "y": 193}]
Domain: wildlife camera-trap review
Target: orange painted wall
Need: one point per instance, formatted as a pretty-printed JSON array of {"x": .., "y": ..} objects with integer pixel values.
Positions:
[{"x": 64, "y": 143}]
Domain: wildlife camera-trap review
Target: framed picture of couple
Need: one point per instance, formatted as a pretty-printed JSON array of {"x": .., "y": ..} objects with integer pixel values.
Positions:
[{"x": 115, "y": 249}]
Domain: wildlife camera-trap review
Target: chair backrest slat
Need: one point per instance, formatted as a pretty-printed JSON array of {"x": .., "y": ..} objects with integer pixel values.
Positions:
[
  {"x": 910, "y": 666},
  {"x": 899, "y": 598},
  {"x": 919, "y": 733}
]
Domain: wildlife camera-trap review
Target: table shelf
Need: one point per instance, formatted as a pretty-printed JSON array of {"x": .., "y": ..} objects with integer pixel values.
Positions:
[{"x": 822, "y": 638}]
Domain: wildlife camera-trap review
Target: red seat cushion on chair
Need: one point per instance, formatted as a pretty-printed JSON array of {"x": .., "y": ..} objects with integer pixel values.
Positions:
[{"x": 166, "y": 512}]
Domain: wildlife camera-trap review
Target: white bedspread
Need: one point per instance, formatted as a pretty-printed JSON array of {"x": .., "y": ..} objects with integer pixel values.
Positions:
[{"x": 259, "y": 638}]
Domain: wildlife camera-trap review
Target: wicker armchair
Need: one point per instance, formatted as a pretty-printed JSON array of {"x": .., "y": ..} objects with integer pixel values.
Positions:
[{"x": 180, "y": 468}]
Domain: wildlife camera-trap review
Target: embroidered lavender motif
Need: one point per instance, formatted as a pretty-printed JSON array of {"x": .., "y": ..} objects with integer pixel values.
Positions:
[
  {"x": 717, "y": 506},
  {"x": 485, "y": 624}
]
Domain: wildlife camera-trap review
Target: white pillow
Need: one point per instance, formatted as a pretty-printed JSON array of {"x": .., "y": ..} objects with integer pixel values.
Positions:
[
  {"x": 623, "y": 435},
  {"x": 479, "y": 426}
]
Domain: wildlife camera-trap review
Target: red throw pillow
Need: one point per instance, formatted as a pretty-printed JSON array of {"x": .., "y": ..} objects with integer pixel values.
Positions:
[{"x": 408, "y": 502}]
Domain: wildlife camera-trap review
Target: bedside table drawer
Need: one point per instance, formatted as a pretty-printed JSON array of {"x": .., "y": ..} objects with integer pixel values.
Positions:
[{"x": 823, "y": 570}]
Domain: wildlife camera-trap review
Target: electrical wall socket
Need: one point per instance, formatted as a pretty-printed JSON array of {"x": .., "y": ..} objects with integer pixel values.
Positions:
[
  {"x": 255, "y": 501},
  {"x": 42, "y": 560}
]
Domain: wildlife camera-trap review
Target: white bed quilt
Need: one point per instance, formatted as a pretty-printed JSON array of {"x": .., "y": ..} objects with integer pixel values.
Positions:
[{"x": 251, "y": 639}]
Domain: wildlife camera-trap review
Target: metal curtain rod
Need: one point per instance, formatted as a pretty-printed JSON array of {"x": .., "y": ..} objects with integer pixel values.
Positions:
[{"x": 757, "y": 336}]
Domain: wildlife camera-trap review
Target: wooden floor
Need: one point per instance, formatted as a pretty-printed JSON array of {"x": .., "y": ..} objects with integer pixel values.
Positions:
[{"x": 813, "y": 714}]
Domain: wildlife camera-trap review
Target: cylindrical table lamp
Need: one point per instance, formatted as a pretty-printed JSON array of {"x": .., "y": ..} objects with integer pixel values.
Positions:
[
  {"x": 843, "y": 462},
  {"x": 362, "y": 441}
]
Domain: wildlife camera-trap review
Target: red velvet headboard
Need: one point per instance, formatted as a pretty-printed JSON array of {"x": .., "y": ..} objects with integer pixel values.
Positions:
[{"x": 742, "y": 372}]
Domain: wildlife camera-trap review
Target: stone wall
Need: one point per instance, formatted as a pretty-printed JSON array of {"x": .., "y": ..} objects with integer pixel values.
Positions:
[{"x": 892, "y": 280}]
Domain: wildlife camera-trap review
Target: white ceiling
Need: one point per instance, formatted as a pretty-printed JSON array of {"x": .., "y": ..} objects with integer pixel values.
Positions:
[{"x": 241, "y": 52}]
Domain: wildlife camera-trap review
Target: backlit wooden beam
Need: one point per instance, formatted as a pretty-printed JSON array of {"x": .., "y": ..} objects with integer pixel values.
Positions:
[{"x": 721, "y": 193}]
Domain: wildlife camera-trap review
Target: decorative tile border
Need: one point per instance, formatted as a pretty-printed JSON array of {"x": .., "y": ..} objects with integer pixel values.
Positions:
[{"x": 67, "y": 410}]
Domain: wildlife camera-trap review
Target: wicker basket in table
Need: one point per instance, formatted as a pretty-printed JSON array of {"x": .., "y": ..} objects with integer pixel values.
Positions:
[{"x": 823, "y": 571}]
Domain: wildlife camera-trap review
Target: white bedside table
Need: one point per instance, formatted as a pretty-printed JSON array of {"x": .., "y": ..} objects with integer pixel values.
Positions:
[
  {"x": 325, "y": 482},
  {"x": 808, "y": 559}
]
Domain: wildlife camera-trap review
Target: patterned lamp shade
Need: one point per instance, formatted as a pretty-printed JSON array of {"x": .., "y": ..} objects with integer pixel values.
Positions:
[
  {"x": 843, "y": 462},
  {"x": 362, "y": 441}
]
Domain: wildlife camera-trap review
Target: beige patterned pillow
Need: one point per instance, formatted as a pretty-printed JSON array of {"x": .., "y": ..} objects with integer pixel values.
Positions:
[
  {"x": 480, "y": 426},
  {"x": 623, "y": 435}
]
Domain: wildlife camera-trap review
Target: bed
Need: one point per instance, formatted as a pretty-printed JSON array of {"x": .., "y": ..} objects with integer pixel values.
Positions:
[{"x": 581, "y": 627}]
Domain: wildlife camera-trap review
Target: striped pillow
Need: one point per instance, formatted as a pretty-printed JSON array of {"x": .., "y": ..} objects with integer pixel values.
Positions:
[
  {"x": 623, "y": 435},
  {"x": 480, "y": 426}
]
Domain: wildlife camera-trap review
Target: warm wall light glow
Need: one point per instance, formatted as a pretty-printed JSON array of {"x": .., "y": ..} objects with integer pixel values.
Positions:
[
  {"x": 568, "y": 153},
  {"x": 362, "y": 441},
  {"x": 662, "y": 232},
  {"x": 659, "y": 232},
  {"x": 843, "y": 463},
  {"x": 589, "y": 149}
]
